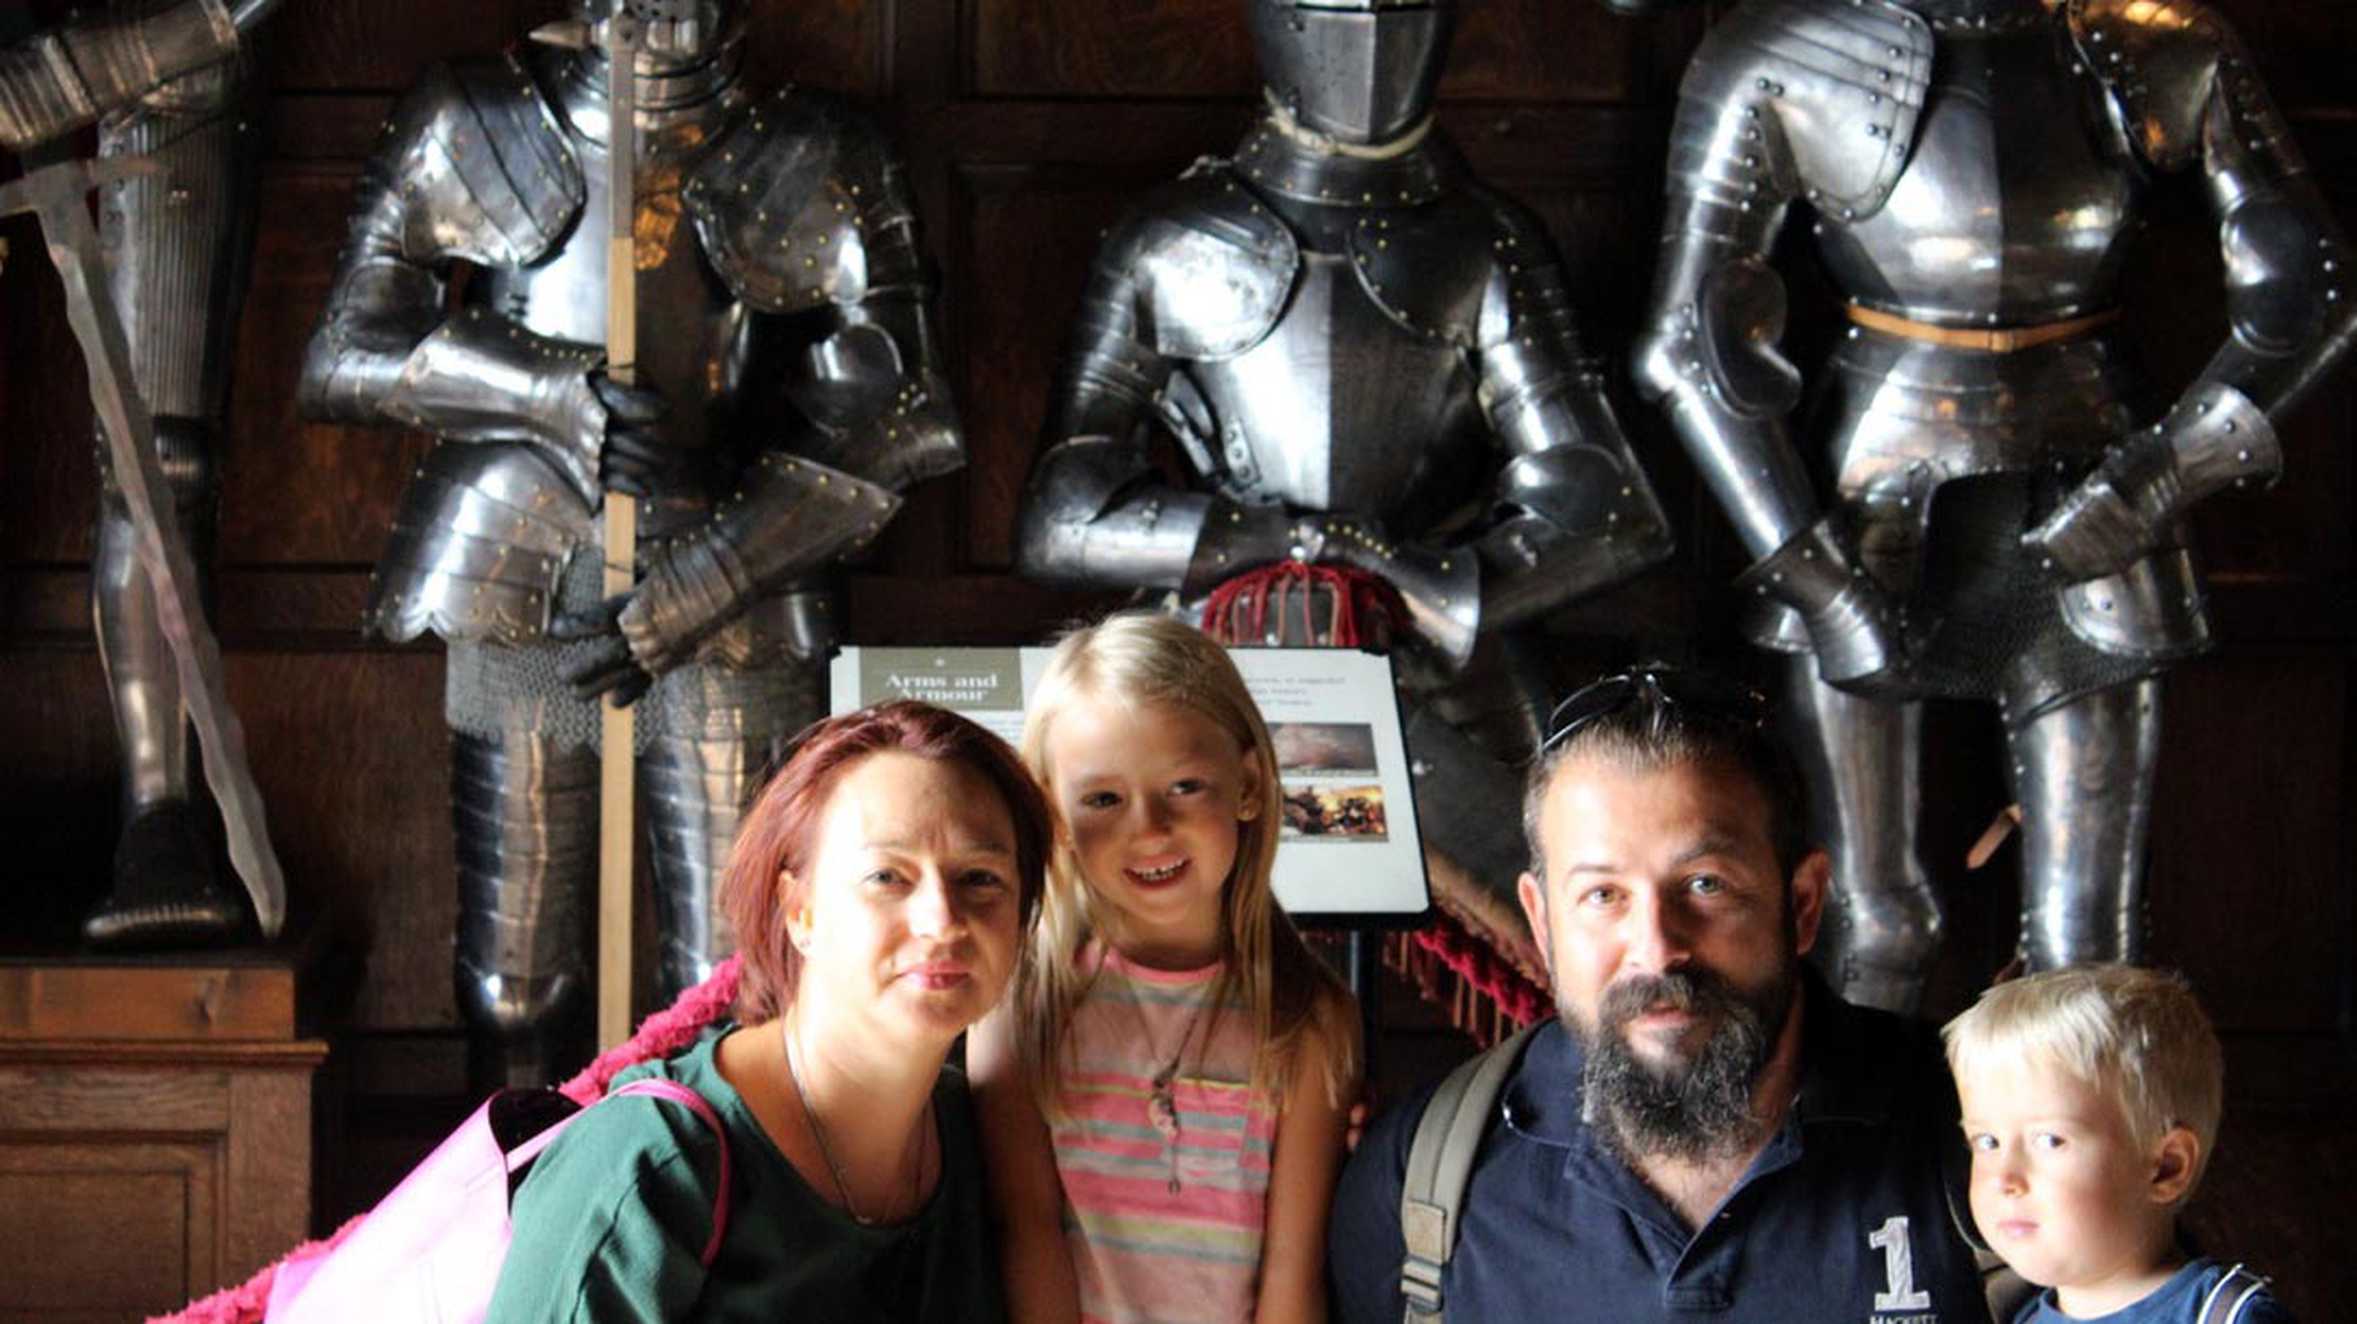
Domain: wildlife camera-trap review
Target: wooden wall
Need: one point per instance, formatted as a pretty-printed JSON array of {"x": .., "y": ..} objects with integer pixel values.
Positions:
[{"x": 1028, "y": 124}]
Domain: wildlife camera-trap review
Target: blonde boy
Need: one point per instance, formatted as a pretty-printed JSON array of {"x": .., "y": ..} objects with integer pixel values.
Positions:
[{"x": 2091, "y": 1098}]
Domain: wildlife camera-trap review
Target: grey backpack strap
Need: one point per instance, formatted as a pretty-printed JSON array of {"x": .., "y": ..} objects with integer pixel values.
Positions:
[
  {"x": 2230, "y": 1295},
  {"x": 1440, "y": 1161}
]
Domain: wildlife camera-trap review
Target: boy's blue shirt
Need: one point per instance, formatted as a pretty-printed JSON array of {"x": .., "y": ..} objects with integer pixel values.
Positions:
[{"x": 2177, "y": 1301}]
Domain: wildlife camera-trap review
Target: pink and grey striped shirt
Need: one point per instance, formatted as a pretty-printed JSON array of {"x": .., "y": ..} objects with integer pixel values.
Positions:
[{"x": 1145, "y": 1254}]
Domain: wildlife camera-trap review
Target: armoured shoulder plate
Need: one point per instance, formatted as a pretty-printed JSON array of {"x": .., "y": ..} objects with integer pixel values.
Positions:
[
  {"x": 479, "y": 146},
  {"x": 2160, "y": 58},
  {"x": 1210, "y": 264},
  {"x": 1845, "y": 80},
  {"x": 1465, "y": 270},
  {"x": 801, "y": 203}
]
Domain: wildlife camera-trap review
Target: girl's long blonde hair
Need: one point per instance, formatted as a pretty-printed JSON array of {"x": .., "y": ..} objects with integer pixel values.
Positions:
[{"x": 1145, "y": 659}]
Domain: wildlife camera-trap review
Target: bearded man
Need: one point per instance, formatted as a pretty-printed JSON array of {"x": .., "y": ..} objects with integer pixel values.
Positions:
[{"x": 1705, "y": 1128}]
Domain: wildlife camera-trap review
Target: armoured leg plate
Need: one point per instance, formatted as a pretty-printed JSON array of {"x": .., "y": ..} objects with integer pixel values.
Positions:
[
  {"x": 1860, "y": 759},
  {"x": 524, "y": 811},
  {"x": 2083, "y": 773}
]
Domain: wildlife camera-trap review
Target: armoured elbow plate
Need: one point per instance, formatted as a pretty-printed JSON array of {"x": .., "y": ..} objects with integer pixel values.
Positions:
[
  {"x": 881, "y": 412},
  {"x": 2280, "y": 287},
  {"x": 1739, "y": 316},
  {"x": 1077, "y": 530},
  {"x": 789, "y": 517}
]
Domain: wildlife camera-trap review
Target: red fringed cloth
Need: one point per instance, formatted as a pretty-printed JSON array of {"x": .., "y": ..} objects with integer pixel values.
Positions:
[
  {"x": 1286, "y": 602},
  {"x": 1457, "y": 963},
  {"x": 660, "y": 1035},
  {"x": 1484, "y": 995}
]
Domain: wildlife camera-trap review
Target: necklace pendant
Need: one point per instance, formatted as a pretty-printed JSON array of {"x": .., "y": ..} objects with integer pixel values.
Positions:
[{"x": 1162, "y": 1111}]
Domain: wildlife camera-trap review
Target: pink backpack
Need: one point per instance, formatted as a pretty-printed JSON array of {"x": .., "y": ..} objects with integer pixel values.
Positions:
[{"x": 430, "y": 1252}]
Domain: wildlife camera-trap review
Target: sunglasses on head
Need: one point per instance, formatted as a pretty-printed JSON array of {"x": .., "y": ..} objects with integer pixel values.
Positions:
[{"x": 1709, "y": 697}]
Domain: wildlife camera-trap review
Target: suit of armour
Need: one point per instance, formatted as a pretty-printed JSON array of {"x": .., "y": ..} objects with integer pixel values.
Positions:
[
  {"x": 1988, "y": 508},
  {"x": 790, "y": 390},
  {"x": 168, "y": 83},
  {"x": 1368, "y": 361}
]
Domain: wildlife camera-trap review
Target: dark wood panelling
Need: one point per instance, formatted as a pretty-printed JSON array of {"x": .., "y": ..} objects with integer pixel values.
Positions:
[
  {"x": 1132, "y": 48},
  {"x": 353, "y": 760},
  {"x": 836, "y": 44},
  {"x": 2241, "y": 839},
  {"x": 351, "y": 47}
]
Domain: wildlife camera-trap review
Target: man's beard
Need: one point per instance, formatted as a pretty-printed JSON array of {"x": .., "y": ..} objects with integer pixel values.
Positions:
[{"x": 1692, "y": 1108}]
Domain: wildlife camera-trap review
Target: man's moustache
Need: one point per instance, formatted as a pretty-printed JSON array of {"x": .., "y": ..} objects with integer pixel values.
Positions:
[{"x": 1671, "y": 990}]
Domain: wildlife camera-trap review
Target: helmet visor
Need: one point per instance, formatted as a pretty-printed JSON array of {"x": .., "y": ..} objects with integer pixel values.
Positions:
[{"x": 1359, "y": 72}]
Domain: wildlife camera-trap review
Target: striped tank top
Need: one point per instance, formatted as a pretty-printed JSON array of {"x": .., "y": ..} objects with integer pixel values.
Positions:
[{"x": 1165, "y": 1191}]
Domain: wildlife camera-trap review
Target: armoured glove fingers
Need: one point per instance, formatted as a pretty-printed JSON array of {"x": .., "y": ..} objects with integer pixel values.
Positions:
[
  {"x": 2214, "y": 439},
  {"x": 609, "y": 669},
  {"x": 1856, "y": 631},
  {"x": 634, "y": 458},
  {"x": 788, "y": 517}
]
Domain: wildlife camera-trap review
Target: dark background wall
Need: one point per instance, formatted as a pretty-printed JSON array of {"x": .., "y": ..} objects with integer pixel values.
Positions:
[{"x": 1027, "y": 124}]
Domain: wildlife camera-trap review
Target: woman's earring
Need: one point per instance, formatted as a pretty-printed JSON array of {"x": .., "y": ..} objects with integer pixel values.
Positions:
[{"x": 797, "y": 921}]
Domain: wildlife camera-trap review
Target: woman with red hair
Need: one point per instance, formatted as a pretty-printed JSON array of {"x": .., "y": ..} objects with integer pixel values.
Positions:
[{"x": 880, "y": 891}]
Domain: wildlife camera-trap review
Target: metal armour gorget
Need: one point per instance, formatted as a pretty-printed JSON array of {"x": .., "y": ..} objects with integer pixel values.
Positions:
[{"x": 1339, "y": 406}]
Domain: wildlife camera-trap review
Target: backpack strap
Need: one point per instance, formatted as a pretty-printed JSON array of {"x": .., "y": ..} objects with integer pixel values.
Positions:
[
  {"x": 670, "y": 1091},
  {"x": 1440, "y": 1162},
  {"x": 2230, "y": 1296}
]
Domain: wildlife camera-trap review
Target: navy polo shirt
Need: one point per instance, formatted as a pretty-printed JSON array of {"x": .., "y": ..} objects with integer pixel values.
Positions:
[{"x": 1842, "y": 1219}]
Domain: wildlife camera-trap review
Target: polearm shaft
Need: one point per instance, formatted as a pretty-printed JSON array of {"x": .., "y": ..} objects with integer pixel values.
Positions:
[
  {"x": 617, "y": 810},
  {"x": 55, "y": 194}
]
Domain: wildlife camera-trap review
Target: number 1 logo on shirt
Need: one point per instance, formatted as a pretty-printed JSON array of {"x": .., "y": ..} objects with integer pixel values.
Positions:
[{"x": 1898, "y": 1267}]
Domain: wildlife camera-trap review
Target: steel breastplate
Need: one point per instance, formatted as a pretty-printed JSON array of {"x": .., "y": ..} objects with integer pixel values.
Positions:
[
  {"x": 696, "y": 338},
  {"x": 1339, "y": 409},
  {"x": 2015, "y": 200}
]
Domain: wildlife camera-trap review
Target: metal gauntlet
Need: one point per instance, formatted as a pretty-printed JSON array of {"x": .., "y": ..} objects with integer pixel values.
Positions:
[
  {"x": 1853, "y": 628},
  {"x": 59, "y": 81},
  {"x": 480, "y": 377},
  {"x": 788, "y": 517},
  {"x": 2214, "y": 439}
]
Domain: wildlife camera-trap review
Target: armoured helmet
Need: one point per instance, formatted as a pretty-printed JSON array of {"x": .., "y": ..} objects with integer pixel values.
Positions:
[
  {"x": 673, "y": 32},
  {"x": 1358, "y": 71}
]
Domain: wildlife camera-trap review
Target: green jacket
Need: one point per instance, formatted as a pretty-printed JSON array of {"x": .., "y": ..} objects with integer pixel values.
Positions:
[{"x": 610, "y": 1223}]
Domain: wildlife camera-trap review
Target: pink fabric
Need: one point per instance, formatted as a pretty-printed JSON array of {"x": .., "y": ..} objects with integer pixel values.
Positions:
[{"x": 660, "y": 1035}]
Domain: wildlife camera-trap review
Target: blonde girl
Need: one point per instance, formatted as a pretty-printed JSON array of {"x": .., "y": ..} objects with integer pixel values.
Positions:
[{"x": 1164, "y": 1097}]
